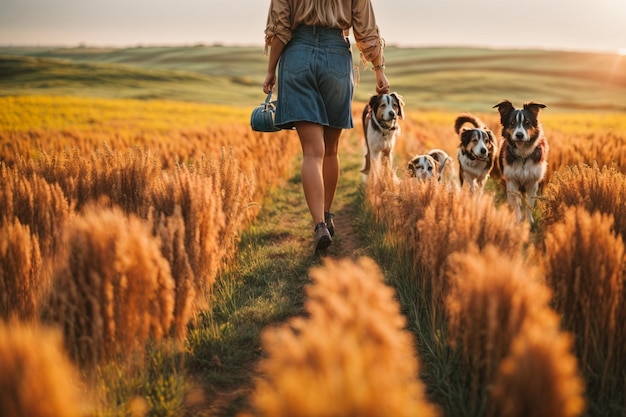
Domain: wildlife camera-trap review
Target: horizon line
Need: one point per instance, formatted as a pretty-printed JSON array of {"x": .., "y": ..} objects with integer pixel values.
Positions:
[{"x": 130, "y": 45}]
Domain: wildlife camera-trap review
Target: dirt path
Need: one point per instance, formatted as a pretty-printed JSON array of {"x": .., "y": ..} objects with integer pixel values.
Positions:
[
  {"x": 346, "y": 242},
  {"x": 284, "y": 226}
]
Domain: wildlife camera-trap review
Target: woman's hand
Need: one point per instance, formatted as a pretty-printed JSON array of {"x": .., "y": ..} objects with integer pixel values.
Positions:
[
  {"x": 382, "y": 83},
  {"x": 268, "y": 84},
  {"x": 276, "y": 50}
]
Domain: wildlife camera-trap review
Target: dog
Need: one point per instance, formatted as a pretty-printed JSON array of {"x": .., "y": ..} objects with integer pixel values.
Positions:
[
  {"x": 435, "y": 164},
  {"x": 523, "y": 157},
  {"x": 380, "y": 127},
  {"x": 445, "y": 172},
  {"x": 477, "y": 151},
  {"x": 423, "y": 167}
]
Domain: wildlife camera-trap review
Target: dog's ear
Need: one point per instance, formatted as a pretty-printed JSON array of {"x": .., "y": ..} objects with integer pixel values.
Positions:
[
  {"x": 411, "y": 168},
  {"x": 492, "y": 137},
  {"x": 398, "y": 97},
  {"x": 437, "y": 167},
  {"x": 504, "y": 107},
  {"x": 534, "y": 107},
  {"x": 466, "y": 135}
]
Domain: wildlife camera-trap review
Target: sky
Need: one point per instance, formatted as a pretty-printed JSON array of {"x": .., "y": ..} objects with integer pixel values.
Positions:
[{"x": 590, "y": 25}]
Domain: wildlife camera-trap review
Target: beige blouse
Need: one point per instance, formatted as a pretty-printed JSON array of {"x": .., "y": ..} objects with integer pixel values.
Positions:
[{"x": 280, "y": 24}]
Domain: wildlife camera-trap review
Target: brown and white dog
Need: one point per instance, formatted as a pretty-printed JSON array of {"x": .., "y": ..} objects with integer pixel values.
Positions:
[
  {"x": 446, "y": 172},
  {"x": 523, "y": 158},
  {"x": 381, "y": 126},
  {"x": 435, "y": 164},
  {"x": 423, "y": 167},
  {"x": 477, "y": 152}
]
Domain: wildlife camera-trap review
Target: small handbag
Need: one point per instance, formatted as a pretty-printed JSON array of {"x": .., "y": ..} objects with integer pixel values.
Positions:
[{"x": 262, "y": 118}]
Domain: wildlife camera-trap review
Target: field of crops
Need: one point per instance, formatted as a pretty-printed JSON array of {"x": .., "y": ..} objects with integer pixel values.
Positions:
[{"x": 123, "y": 223}]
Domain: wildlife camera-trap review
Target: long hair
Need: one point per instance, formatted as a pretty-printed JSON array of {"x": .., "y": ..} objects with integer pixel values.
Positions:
[{"x": 320, "y": 12}]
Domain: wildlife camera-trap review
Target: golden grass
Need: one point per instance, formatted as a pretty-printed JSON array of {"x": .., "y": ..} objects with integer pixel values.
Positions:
[
  {"x": 499, "y": 317},
  {"x": 497, "y": 312},
  {"x": 46, "y": 113},
  {"x": 196, "y": 211},
  {"x": 574, "y": 138},
  {"x": 586, "y": 266},
  {"x": 35, "y": 202},
  {"x": 350, "y": 355},
  {"x": 157, "y": 192},
  {"x": 604, "y": 148},
  {"x": 37, "y": 378},
  {"x": 112, "y": 290},
  {"x": 590, "y": 186},
  {"x": 430, "y": 222},
  {"x": 491, "y": 297},
  {"x": 32, "y": 213},
  {"x": 20, "y": 267},
  {"x": 173, "y": 132},
  {"x": 194, "y": 173},
  {"x": 540, "y": 377}
]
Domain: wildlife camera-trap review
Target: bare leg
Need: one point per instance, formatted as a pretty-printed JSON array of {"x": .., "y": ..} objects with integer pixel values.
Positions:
[
  {"x": 331, "y": 165},
  {"x": 313, "y": 149}
]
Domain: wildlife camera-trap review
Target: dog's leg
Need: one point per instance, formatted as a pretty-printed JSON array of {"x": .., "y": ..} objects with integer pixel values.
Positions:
[
  {"x": 472, "y": 185},
  {"x": 368, "y": 156},
  {"x": 532, "y": 198},
  {"x": 515, "y": 200},
  {"x": 385, "y": 159}
]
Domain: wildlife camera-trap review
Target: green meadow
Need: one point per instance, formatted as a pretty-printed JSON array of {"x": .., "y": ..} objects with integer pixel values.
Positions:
[{"x": 455, "y": 79}]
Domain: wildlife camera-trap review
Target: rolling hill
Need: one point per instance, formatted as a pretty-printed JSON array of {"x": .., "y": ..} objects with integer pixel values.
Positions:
[{"x": 459, "y": 79}]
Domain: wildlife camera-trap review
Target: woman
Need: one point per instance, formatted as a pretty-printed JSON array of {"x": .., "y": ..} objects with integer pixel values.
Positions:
[{"x": 316, "y": 85}]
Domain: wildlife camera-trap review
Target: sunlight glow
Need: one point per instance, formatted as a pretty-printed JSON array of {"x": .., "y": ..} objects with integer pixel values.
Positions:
[{"x": 621, "y": 52}]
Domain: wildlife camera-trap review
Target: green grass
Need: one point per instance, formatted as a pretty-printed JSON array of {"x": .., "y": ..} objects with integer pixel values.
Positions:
[
  {"x": 263, "y": 287},
  {"x": 458, "y": 79}
]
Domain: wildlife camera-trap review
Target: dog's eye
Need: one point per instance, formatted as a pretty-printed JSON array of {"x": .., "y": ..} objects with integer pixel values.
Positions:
[
  {"x": 512, "y": 123},
  {"x": 527, "y": 123},
  {"x": 430, "y": 168}
]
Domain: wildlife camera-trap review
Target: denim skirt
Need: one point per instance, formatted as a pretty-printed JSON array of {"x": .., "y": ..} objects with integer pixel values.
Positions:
[{"x": 316, "y": 79}]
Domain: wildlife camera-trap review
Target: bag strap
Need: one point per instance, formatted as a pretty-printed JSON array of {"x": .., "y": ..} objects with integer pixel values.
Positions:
[{"x": 268, "y": 102}]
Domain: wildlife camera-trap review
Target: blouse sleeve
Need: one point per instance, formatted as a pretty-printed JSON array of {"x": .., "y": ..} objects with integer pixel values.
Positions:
[
  {"x": 278, "y": 23},
  {"x": 365, "y": 30}
]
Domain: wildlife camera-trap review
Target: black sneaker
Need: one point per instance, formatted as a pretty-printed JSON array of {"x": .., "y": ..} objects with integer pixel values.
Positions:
[
  {"x": 322, "y": 237},
  {"x": 328, "y": 219}
]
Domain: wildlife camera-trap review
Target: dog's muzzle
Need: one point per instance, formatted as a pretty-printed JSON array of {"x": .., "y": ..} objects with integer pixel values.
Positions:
[{"x": 482, "y": 157}]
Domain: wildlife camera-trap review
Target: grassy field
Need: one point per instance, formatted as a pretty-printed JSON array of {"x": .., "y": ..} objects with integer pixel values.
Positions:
[
  {"x": 172, "y": 245},
  {"x": 428, "y": 78}
]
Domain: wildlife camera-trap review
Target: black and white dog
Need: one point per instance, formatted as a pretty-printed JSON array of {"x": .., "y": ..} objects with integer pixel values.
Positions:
[
  {"x": 477, "y": 151},
  {"x": 380, "y": 127},
  {"x": 523, "y": 158}
]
